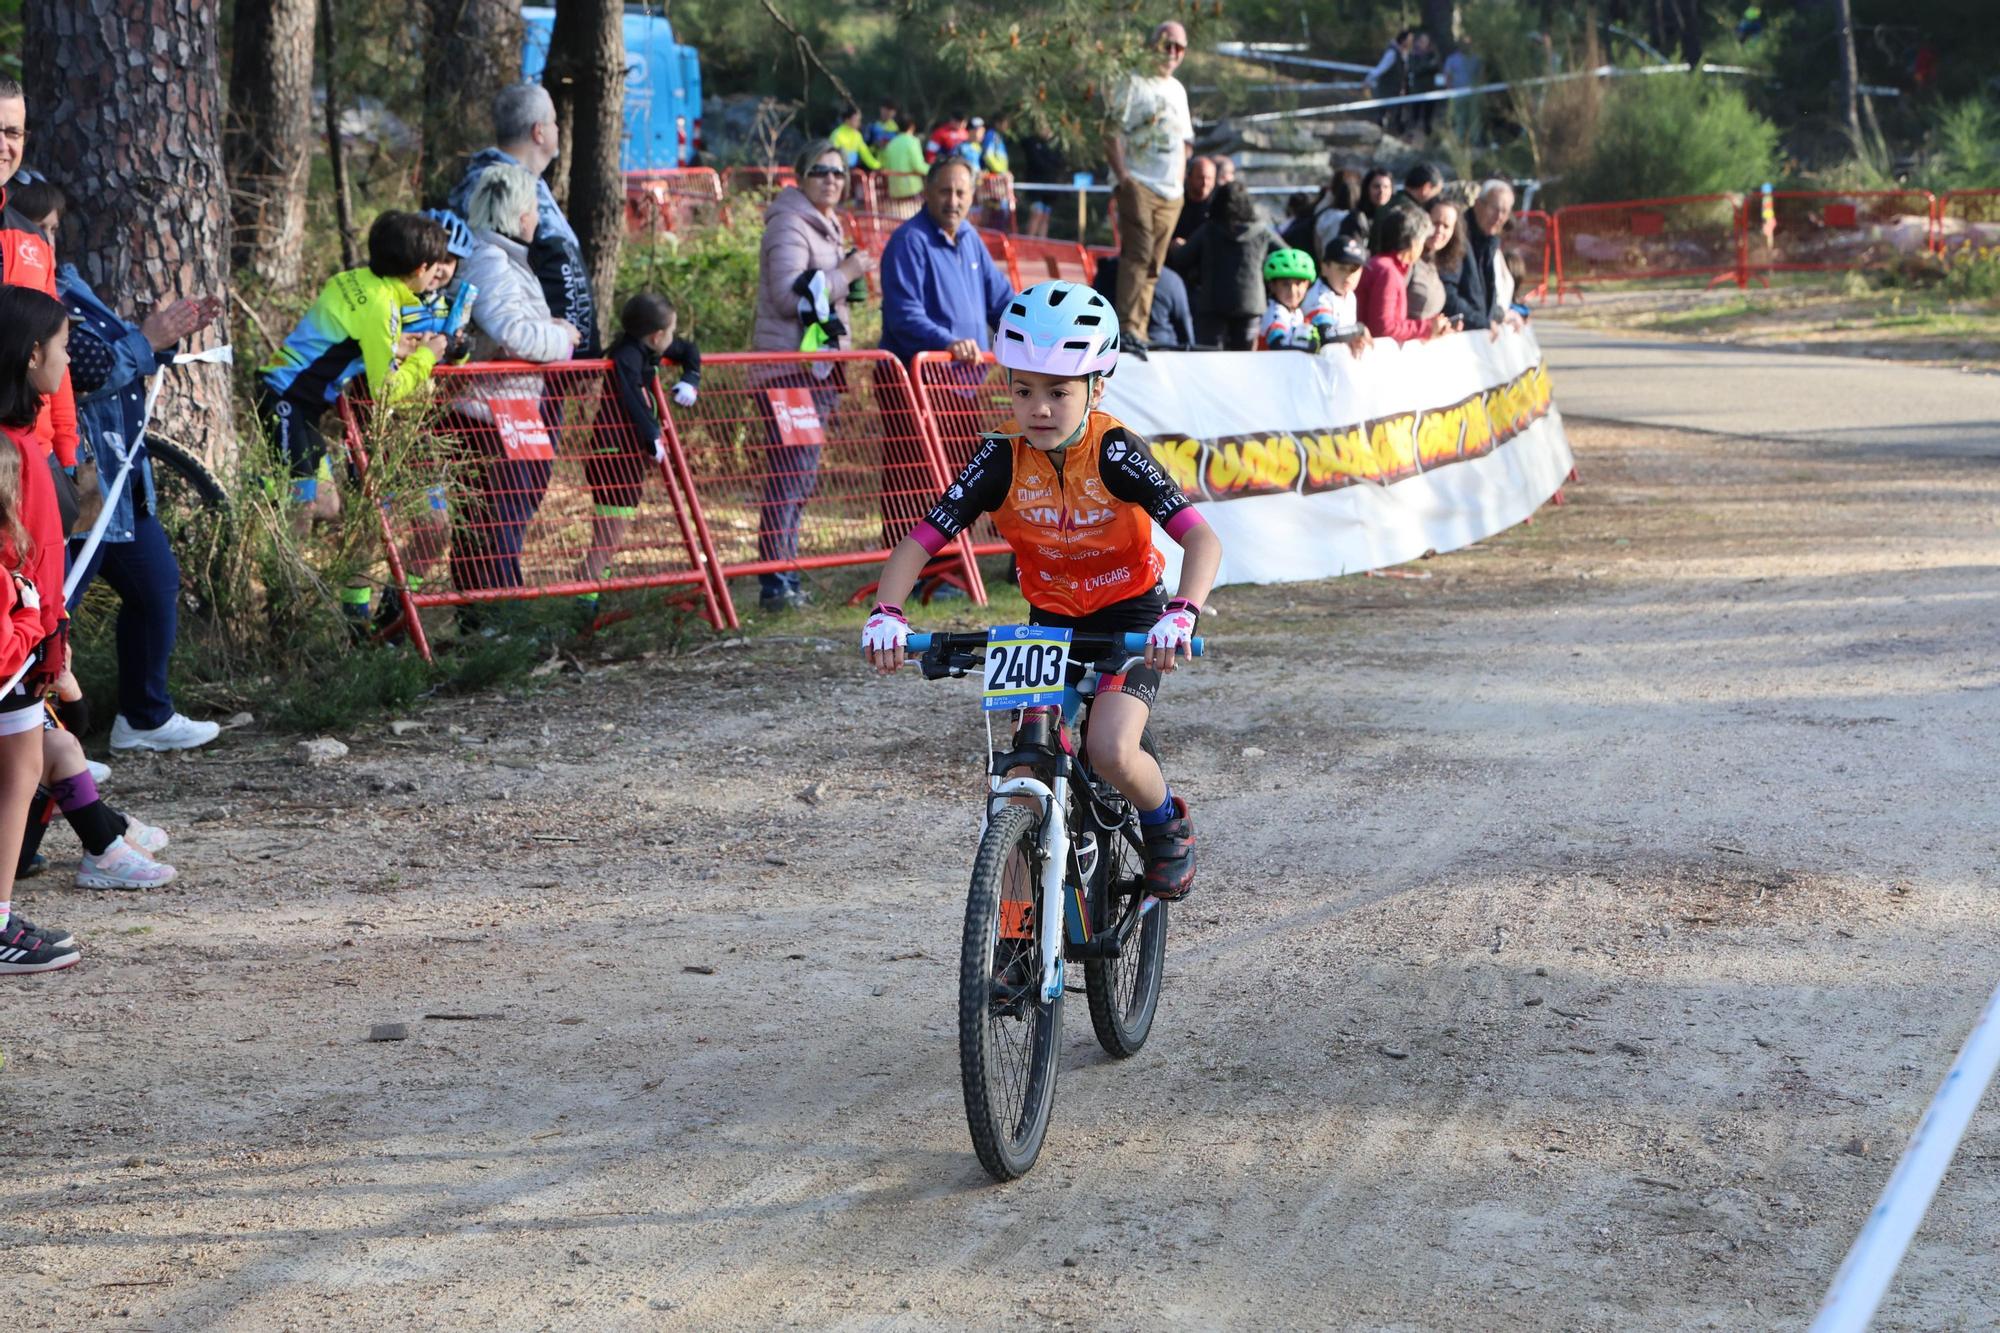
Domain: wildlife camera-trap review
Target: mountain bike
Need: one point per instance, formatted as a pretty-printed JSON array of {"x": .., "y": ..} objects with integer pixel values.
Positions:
[{"x": 1054, "y": 833}]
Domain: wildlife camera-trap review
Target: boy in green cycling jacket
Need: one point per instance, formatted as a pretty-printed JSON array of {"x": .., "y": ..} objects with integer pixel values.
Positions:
[{"x": 355, "y": 327}]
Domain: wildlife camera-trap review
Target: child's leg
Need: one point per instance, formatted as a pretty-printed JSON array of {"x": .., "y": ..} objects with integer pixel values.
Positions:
[
  {"x": 1117, "y": 720},
  {"x": 616, "y": 477},
  {"x": 429, "y": 532},
  {"x": 97, "y": 825}
]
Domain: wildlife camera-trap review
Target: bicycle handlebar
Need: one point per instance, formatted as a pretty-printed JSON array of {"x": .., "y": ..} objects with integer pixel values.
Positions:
[{"x": 1131, "y": 643}]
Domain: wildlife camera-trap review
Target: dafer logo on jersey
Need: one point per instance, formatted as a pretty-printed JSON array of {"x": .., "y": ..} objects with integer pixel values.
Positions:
[{"x": 1233, "y": 467}]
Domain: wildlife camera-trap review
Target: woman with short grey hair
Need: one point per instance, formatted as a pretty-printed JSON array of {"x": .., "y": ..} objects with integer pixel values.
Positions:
[
  {"x": 1383, "y": 296},
  {"x": 805, "y": 269},
  {"x": 510, "y": 322}
]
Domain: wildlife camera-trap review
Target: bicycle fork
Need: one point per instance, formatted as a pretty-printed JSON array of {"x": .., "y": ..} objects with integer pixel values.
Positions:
[{"x": 1053, "y": 797}]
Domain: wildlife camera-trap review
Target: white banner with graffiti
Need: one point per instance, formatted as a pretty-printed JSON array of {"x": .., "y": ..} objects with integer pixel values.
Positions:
[{"x": 1314, "y": 466}]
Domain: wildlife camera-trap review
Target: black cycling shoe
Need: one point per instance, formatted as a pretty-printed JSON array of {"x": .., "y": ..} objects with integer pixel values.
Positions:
[{"x": 1170, "y": 855}]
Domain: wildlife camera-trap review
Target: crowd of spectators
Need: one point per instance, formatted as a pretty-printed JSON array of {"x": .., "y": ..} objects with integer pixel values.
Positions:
[{"x": 498, "y": 276}]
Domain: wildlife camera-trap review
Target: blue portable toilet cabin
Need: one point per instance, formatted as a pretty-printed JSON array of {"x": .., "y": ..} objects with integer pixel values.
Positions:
[{"x": 662, "y": 113}]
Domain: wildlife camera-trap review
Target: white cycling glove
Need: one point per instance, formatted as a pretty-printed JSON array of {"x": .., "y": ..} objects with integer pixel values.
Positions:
[
  {"x": 886, "y": 628},
  {"x": 684, "y": 394},
  {"x": 1174, "y": 630}
]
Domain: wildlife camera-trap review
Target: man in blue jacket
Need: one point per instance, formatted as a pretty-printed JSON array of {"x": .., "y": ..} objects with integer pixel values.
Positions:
[{"x": 941, "y": 291}]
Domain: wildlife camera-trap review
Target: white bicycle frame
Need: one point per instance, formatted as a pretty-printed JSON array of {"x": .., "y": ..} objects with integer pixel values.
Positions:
[
  {"x": 1054, "y": 801},
  {"x": 127, "y": 456}
]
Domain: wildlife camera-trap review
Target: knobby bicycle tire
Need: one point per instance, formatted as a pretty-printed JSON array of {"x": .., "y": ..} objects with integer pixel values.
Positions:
[
  {"x": 1009, "y": 1041},
  {"x": 194, "y": 510},
  {"x": 1124, "y": 992}
]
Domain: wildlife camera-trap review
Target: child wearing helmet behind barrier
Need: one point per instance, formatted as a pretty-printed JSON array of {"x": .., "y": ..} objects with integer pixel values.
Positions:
[
  {"x": 1288, "y": 275},
  {"x": 1076, "y": 494}
]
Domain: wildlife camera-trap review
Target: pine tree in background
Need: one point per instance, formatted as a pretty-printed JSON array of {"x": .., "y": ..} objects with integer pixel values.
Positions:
[
  {"x": 125, "y": 106},
  {"x": 270, "y": 138},
  {"x": 473, "y": 50},
  {"x": 586, "y": 80}
]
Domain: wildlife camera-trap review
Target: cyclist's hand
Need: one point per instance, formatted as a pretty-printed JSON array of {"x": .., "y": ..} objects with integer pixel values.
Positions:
[
  {"x": 437, "y": 342},
  {"x": 684, "y": 394},
  {"x": 1172, "y": 634},
  {"x": 885, "y": 637}
]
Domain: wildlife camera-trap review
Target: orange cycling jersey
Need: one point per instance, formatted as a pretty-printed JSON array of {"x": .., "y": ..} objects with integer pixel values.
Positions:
[{"x": 1082, "y": 529}]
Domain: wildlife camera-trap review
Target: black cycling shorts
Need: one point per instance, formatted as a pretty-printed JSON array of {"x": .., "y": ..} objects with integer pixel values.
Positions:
[
  {"x": 293, "y": 428},
  {"x": 1134, "y": 615}
]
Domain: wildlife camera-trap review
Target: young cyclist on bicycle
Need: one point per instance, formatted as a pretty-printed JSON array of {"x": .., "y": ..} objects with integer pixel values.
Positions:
[{"x": 1076, "y": 494}]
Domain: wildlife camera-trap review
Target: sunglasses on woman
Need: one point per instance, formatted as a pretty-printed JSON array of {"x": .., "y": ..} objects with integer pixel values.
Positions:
[{"x": 820, "y": 173}]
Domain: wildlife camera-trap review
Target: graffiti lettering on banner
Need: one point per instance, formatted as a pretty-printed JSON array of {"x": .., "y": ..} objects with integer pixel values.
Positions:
[
  {"x": 797, "y": 417},
  {"x": 523, "y": 434},
  {"x": 1382, "y": 452}
]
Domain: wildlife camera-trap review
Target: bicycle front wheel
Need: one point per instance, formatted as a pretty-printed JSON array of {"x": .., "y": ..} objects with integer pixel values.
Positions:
[{"x": 1008, "y": 1038}]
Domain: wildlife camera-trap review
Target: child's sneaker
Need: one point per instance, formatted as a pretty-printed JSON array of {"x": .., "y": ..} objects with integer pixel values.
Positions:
[
  {"x": 21, "y": 952},
  {"x": 1170, "y": 855},
  {"x": 152, "y": 841},
  {"x": 122, "y": 866},
  {"x": 60, "y": 939}
]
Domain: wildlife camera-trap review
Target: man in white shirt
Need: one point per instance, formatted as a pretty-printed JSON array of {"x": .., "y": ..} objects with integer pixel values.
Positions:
[{"x": 1152, "y": 134}]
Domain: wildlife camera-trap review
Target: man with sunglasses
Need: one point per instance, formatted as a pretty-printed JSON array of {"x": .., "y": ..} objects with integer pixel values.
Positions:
[{"x": 1152, "y": 135}]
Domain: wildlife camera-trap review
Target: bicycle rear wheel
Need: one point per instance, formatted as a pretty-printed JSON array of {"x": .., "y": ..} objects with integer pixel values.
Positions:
[
  {"x": 194, "y": 509},
  {"x": 1124, "y": 992},
  {"x": 1008, "y": 1039}
]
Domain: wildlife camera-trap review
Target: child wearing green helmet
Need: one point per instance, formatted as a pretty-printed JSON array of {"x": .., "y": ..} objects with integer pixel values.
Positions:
[{"x": 1287, "y": 276}]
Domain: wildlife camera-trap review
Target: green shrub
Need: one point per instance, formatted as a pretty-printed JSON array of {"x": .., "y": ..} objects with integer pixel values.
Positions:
[
  {"x": 1973, "y": 275},
  {"x": 709, "y": 273},
  {"x": 1672, "y": 134},
  {"x": 1965, "y": 152}
]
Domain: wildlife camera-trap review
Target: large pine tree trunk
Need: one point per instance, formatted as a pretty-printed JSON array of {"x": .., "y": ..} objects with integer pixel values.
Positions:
[
  {"x": 586, "y": 79},
  {"x": 125, "y": 97},
  {"x": 474, "y": 51},
  {"x": 269, "y": 138}
]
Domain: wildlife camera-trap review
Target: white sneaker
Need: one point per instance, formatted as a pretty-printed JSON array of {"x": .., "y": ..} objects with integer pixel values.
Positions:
[
  {"x": 178, "y": 732},
  {"x": 152, "y": 841},
  {"x": 99, "y": 773},
  {"x": 122, "y": 867}
]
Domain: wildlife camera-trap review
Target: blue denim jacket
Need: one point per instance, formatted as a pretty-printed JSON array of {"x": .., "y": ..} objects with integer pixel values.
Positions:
[{"x": 108, "y": 417}]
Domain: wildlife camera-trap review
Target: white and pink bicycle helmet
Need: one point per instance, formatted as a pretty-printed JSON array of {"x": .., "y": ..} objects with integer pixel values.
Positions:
[{"x": 1059, "y": 328}]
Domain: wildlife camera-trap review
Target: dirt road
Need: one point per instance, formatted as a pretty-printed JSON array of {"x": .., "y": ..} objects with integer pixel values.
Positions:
[{"x": 1580, "y": 932}]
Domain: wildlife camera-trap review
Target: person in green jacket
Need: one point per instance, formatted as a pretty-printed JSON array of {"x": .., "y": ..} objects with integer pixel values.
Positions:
[
  {"x": 903, "y": 163},
  {"x": 847, "y": 138}
]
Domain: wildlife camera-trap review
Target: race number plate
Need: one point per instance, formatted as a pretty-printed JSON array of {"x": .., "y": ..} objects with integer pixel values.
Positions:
[{"x": 1025, "y": 666}]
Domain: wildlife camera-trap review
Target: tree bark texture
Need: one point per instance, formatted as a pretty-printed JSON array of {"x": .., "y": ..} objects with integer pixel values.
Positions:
[
  {"x": 125, "y": 100},
  {"x": 1441, "y": 18},
  {"x": 474, "y": 51},
  {"x": 586, "y": 79},
  {"x": 336, "y": 147},
  {"x": 1850, "y": 74},
  {"x": 269, "y": 137}
]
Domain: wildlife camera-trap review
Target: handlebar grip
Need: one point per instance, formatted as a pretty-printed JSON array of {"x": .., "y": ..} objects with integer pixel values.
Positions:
[
  {"x": 919, "y": 643},
  {"x": 1136, "y": 643}
]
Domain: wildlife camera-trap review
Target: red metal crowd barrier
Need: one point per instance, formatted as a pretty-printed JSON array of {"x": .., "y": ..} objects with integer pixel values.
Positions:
[
  {"x": 517, "y": 481},
  {"x": 1533, "y": 235},
  {"x": 810, "y": 461},
  {"x": 1967, "y": 220},
  {"x": 741, "y": 180},
  {"x": 1691, "y": 236},
  {"x": 1038, "y": 259},
  {"x": 672, "y": 199},
  {"x": 963, "y": 401},
  {"x": 1819, "y": 230}
]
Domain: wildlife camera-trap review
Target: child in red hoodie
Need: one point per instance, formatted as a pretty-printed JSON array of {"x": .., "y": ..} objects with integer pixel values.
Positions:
[{"x": 34, "y": 646}]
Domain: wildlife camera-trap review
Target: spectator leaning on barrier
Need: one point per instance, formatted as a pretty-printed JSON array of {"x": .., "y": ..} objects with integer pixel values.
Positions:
[
  {"x": 497, "y": 417},
  {"x": 1446, "y": 253},
  {"x": 1427, "y": 295},
  {"x": 629, "y": 438},
  {"x": 1226, "y": 258},
  {"x": 1152, "y": 134},
  {"x": 524, "y": 130},
  {"x": 1383, "y": 296},
  {"x": 804, "y": 271},
  {"x": 1330, "y": 305},
  {"x": 941, "y": 292},
  {"x": 1482, "y": 278},
  {"x": 1172, "y": 322},
  {"x": 110, "y": 360},
  {"x": 903, "y": 164},
  {"x": 354, "y": 328}
]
